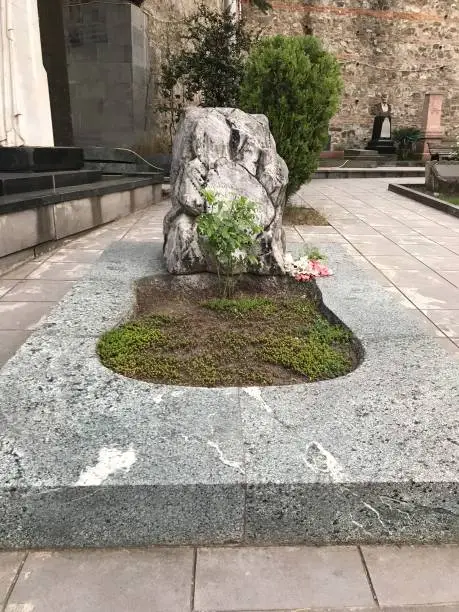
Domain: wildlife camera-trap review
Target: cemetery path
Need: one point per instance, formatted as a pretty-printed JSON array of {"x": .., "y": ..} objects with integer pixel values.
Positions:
[{"x": 413, "y": 251}]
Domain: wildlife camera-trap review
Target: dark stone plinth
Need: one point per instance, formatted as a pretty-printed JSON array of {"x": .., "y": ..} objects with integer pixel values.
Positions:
[
  {"x": 385, "y": 146},
  {"x": 17, "y": 202},
  {"x": 40, "y": 159},
  {"x": 109, "y": 154},
  {"x": 367, "y": 153},
  {"x": 25, "y": 182}
]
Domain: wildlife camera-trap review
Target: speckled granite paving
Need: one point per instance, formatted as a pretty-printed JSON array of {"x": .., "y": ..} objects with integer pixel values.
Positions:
[{"x": 90, "y": 458}]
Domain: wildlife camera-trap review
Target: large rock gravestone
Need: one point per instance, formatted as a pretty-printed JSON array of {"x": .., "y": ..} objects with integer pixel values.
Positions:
[{"x": 231, "y": 153}]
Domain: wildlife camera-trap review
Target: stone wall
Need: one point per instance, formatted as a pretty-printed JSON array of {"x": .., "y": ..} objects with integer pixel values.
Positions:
[{"x": 403, "y": 47}]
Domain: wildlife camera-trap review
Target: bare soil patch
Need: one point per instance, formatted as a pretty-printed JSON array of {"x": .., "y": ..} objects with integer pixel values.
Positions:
[{"x": 298, "y": 215}]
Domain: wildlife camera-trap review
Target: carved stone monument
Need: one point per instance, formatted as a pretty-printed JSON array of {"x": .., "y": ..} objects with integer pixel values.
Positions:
[
  {"x": 231, "y": 153},
  {"x": 381, "y": 137},
  {"x": 431, "y": 128}
]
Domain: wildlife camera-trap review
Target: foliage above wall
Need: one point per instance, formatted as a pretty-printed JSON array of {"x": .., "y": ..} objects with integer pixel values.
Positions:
[{"x": 210, "y": 67}]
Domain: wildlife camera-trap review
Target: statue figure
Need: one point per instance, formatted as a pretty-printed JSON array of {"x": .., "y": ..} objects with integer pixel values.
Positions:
[
  {"x": 382, "y": 125},
  {"x": 381, "y": 137}
]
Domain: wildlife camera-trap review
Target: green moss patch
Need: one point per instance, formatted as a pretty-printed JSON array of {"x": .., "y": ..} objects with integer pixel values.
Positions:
[
  {"x": 452, "y": 199},
  {"x": 250, "y": 340}
]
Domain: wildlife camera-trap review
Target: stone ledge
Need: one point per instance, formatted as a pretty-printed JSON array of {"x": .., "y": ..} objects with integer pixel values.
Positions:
[
  {"x": 378, "y": 172},
  {"x": 29, "y": 220},
  {"x": 34, "y": 199},
  {"x": 91, "y": 458},
  {"x": 409, "y": 191}
]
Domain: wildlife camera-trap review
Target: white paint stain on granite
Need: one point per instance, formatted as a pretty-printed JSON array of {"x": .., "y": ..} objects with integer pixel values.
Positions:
[
  {"x": 232, "y": 464},
  {"x": 110, "y": 461},
  {"x": 255, "y": 392},
  {"x": 321, "y": 461}
]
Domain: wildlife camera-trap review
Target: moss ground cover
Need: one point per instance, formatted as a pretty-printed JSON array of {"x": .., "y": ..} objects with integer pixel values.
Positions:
[{"x": 249, "y": 340}]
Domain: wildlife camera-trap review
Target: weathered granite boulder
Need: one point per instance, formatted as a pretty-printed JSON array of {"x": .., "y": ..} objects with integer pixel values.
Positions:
[
  {"x": 443, "y": 177},
  {"x": 229, "y": 152}
]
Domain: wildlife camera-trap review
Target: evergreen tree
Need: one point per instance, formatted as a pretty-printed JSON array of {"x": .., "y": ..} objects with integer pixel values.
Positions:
[{"x": 297, "y": 85}]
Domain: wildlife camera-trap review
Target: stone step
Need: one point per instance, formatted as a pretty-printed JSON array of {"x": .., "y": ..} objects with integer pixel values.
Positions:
[
  {"x": 119, "y": 161},
  {"x": 25, "y": 182},
  {"x": 360, "y": 153},
  {"x": 39, "y": 219},
  {"x": 122, "y": 168},
  {"x": 33, "y": 199},
  {"x": 378, "y": 172},
  {"x": 40, "y": 159},
  {"x": 108, "y": 154}
]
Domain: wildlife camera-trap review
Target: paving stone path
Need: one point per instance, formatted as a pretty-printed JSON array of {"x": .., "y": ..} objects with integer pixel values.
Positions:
[{"x": 414, "y": 252}]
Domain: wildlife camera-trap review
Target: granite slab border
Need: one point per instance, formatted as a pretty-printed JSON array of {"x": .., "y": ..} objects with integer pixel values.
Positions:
[
  {"x": 409, "y": 191},
  {"x": 91, "y": 458},
  {"x": 378, "y": 172}
]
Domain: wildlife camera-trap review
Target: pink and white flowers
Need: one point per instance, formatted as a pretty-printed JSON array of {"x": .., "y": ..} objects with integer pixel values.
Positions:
[{"x": 306, "y": 267}]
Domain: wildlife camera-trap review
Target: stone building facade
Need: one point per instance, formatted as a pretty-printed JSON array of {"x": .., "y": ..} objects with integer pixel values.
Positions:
[
  {"x": 73, "y": 72},
  {"x": 405, "y": 48},
  {"x": 97, "y": 69}
]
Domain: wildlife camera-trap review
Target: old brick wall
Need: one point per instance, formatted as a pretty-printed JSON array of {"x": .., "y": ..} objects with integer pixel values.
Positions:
[
  {"x": 405, "y": 48},
  {"x": 165, "y": 25}
]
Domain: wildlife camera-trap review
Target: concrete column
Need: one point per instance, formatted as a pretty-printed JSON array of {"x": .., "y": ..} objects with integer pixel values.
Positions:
[{"x": 25, "y": 113}]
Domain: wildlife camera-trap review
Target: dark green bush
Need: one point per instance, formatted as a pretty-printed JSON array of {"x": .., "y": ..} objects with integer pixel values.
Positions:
[
  {"x": 211, "y": 63},
  {"x": 297, "y": 85},
  {"x": 406, "y": 139}
]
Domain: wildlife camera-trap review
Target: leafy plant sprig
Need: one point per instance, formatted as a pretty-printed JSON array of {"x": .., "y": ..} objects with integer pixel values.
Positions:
[{"x": 229, "y": 231}]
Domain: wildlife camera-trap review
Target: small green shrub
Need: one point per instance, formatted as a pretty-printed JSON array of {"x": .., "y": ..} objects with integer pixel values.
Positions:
[
  {"x": 314, "y": 253},
  {"x": 297, "y": 85},
  {"x": 229, "y": 233},
  {"x": 210, "y": 65},
  {"x": 406, "y": 139}
]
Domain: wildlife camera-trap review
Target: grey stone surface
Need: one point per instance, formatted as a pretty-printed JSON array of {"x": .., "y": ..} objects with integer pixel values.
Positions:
[
  {"x": 231, "y": 153},
  {"x": 24, "y": 229},
  {"x": 280, "y": 578},
  {"x": 108, "y": 69},
  {"x": 183, "y": 477},
  {"x": 442, "y": 177},
  {"x": 91, "y": 458},
  {"x": 361, "y": 302},
  {"x": 153, "y": 580}
]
